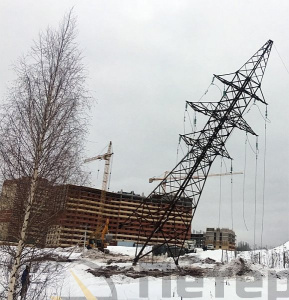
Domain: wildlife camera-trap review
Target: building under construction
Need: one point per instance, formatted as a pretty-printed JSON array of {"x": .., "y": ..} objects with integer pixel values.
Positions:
[
  {"x": 77, "y": 214},
  {"x": 47, "y": 210},
  {"x": 82, "y": 209},
  {"x": 221, "y": 238}
]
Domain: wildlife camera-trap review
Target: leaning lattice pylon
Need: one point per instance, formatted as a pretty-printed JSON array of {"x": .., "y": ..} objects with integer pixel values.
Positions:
[{"x": 183, "y": 186}]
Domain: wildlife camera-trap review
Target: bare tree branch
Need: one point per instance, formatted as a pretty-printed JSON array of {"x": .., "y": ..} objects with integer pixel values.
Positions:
[{"x": 41, "y": 133}]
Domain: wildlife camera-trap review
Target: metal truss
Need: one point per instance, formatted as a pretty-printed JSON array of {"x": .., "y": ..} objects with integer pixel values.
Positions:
[{"x": 166, "y": 214}]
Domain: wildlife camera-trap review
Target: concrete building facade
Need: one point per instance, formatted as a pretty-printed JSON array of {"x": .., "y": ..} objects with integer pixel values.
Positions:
[
  {"x": 46, "y": 210},
  {"x": 221, "y": 238},
  {"x": 82, "y": 208},
  {"x": 199, "y": 238},
  {"x": 63, "y": 215}
]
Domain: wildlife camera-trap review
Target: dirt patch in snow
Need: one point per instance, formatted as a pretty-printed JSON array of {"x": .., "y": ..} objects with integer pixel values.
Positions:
[
  {"x": 236, "y": 267},
  {"x": 189, "y": 259},
  {"x": 209, "y": 261},
  {"x": 109, "y": 271}
]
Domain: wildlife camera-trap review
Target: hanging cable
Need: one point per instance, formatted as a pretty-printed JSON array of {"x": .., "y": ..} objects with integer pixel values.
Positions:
[
  {"x": 225, "y": 164},
  {"x": 182, "y": 149},
  {"x": 190, "y": 121},
  {"x": 101, "y": 152},
  {"x": 178, "y": 147},
  {"x": 255, "y": 200},
  {"x": 185, "y": 121},
  {"x": 249, "y": 109},
  {"x": 205, "y": 93},
  {"x": 281, "y": 60},
  {"x": 251, "y": 145},
  {"x": 259, "y": 110},
  {"x": 264, "y": 180},
  {"x": 265, "y": 118},
  {"x": 244, "y": 181},
  {"x": 220, "y": 199},
  {"x": 186, "y": 110},
  {"x": 232, "y": 194},
  {"x": 194, "y": 125},
  {"x": 222, "y": 93}
]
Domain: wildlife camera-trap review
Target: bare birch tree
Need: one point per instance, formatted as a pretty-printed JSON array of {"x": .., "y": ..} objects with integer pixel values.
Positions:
[{"x": 43, "y": 122}]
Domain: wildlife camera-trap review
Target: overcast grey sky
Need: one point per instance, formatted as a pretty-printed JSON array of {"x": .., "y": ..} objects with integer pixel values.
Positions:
[{"x": 145, "y": 59}]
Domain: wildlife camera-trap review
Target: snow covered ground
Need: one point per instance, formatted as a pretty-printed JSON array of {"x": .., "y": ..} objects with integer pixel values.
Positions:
[{"x": 204, "y": 275}]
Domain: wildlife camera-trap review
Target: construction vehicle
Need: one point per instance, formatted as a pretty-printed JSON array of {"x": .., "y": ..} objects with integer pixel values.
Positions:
[
  {"x": 175, "y": 250},
  {"x": 99, "y": 238},
  {"x": 190, "y": 246},
  {"x": 210, "y": 247}
]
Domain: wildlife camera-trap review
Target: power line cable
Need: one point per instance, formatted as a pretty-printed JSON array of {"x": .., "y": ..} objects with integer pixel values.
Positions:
[
  {"x": 255, "y": 200},
  {"x": 220, "y": 195},
  {"x": 225, "y": 164},
  {"x": 264, "y": 180},
  {"x": 178, "y": 147},
  {"x": 232, "y": 211},
  {"x": 184, "y": 122},
  {"x": 190, "y": 121},
  {"x": 264, "y": 117},
  {"x": 281, "y": 59},
  {"x": 244, "y": 181},
  {"x": 182, "y": 149},
  {"x": 205, "y": 93},
  {"x": 218, "y": 88},
  {"x": 251, "y": 145}
]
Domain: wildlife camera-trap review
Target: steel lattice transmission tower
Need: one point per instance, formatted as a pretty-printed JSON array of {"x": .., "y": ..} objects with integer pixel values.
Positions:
[{"x": 185, "y": 183}]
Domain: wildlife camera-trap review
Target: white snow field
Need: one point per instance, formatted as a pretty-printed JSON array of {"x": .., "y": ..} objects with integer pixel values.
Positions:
[{"x": 203, "y": 275}]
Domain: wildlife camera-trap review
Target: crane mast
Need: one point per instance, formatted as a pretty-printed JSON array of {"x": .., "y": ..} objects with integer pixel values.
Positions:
[{"x": 107, "y": 158}]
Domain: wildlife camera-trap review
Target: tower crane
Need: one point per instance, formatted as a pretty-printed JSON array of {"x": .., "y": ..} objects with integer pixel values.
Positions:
[
  {"x": 97, "y": 237},
  {"x": 106, "y": 156}
]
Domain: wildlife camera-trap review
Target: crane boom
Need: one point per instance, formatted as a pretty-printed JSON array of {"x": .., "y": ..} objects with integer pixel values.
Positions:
[
  {"x": 197, "y": 177},
  {"x": 107, "y": 157}
]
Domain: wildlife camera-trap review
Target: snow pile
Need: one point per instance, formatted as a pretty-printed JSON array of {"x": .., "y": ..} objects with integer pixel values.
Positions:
[
  {"x": 190, "y": 259},
  {"x": 127, "y": 250},
  {"x": 277, "y": 258},
  {"x": 236, "y": 267},
  {"x": 93, "y": 254},
  {"x": 217, "y": 255}
]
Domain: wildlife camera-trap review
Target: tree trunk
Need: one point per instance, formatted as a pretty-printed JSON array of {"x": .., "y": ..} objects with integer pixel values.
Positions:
[{"x": 15, "y": 269}]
